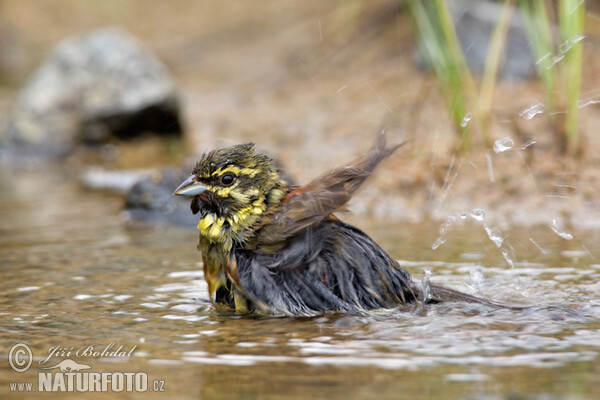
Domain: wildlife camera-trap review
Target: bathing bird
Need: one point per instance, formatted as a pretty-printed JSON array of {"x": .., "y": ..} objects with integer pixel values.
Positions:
[{"x": 270, "y": 247}]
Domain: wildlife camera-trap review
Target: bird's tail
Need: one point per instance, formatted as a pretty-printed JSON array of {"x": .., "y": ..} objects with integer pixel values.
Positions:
[{"x": 442, "y": 294}]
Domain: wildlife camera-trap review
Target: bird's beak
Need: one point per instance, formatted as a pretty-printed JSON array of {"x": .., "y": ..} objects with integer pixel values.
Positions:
[{"x": 189, "y": 188}]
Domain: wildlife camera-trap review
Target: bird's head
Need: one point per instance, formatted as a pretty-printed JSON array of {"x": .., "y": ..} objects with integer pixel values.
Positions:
[{"x": 232, "y": 188}]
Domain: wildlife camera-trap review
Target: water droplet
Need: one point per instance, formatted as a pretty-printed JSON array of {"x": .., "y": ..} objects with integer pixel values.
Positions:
[
  {"x": 508, "y": 254},
  {"x": 584, "y": 103},
  {"x": 426, "y": 285},
  {"x": 560, "y": 232},
  {"x": 463, "y": 215},
  {"x": 530, "y": 142},
  {"x": 440, "y": 241},
  {"x": 550, "y": 60},
  {"x": 570, "y": 42},
  {"x": 465, "y": 120},
  {"x": 494, "y": 234},
  {"x": 477, "y": 276},
  {"x": 540, "y": 248},
  {"x": 478, "y": 214},
  {"x": 503, "y": 144},
  {"x": 446, "y": 225},
  {"x": 532, "y": 111}
]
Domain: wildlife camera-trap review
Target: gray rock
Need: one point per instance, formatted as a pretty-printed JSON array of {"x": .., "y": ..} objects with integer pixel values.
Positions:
[
  {"x": 93, "y": 87},
  {"x": 119, "y": 182},
  {"x": 151, "y": 200}
]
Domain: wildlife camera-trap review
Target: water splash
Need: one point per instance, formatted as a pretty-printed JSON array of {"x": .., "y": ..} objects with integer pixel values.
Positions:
[
  {"x": 478, "y": 214},
  {"x": 444, "y": 228},
  {"x": 532, "y": 111},
  {"x": 440, "y": 241},
  {"x": 477, "y": 276},
  {"x": 447, "y": 224},
  {"x": 560, "y": 232},
  {"x": 494, "y": 234},
  {"x": 581, "y": 103},
  {"x": 508, "y": 252},
  {"x": 426, "y": 285},
  {"x": 530, "y": 142},
  {"x": 503, "y": 144},
  {"x": 448, "y": 180},
  {"x": 466, "y": 119},
  {"x": 550, "y": 60},
  {"x": 540, "y": 248}
]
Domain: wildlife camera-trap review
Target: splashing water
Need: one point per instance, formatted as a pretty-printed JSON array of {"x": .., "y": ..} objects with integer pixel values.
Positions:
[
  {"x": 477, "y": 276},
  {"x": 532, "y": 111},
  {"x": 478, "y": 214},
  {"x": 560, "y": 232},
  {"x": 529, "y": 143},
  {"x": 581, "y": 103},
  {"x": 440, "y": 241},
  {"x": 426, "y": 285},
  {"x": 466, "y": 119},
  {"x": 549, "y": 60},
  {"x": 503, "y": 144},
  {"x": 508, "y": 252},
  {"x": 451, "y": 220},
  {"x": 494, "y": 234},
  {"x": 447, "y": 224},
  {"x": 540, "y": 248}
]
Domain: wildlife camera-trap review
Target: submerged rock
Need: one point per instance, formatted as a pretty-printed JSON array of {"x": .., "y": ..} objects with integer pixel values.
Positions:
[
  {"x": 92, "y": 87},
  {"x": 151, "y": 200}
]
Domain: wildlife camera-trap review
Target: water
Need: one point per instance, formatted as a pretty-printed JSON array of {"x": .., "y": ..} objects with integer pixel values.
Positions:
[
  {"x": 74, "y": 275},
  {"x": 532, "y": 111},
  {"x": 466, "y": 119},
  {"x": 503, "y": 144}
]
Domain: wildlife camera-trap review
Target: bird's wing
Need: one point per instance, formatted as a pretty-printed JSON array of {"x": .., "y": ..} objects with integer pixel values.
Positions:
[{"x": 329, "y": 192}]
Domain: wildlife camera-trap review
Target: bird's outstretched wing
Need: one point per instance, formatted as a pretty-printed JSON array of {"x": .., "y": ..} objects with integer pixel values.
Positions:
[{"x": 311, "y": 203}]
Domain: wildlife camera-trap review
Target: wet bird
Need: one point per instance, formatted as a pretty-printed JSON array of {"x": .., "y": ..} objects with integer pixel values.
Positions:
[{"x": 270, "y": 247}]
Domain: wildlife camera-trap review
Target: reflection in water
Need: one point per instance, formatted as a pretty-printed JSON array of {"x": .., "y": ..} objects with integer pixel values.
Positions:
[{"x": 75, "y": 275}]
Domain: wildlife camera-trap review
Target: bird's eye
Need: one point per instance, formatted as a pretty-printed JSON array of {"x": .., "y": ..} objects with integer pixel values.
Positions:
[{"x": 227, "y": 179}]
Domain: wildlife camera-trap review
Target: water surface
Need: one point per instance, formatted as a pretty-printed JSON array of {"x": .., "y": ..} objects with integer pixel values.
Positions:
[{"x": 75, "y": 274}]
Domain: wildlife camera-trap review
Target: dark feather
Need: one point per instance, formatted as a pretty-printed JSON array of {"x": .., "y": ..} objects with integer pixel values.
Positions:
[
  {"x": 326, "y": 194},
  {"x": 331, "y": 266}
]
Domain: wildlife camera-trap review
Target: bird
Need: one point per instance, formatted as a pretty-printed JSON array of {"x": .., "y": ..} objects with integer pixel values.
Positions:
[{"x": 271, "y": 247}]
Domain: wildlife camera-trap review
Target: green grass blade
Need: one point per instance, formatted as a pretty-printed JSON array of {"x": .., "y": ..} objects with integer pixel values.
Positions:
[
  {"x": 539, "y": 30},
  {"x": 445, "y": 56},
  {"x": 492, "y": 64},
  {"x": 571, "y": 21}
]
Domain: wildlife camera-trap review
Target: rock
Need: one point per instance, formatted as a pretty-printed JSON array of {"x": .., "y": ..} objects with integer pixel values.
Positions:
[
  {"x": 92, "y": 87},
  {"x": 119, "y": 182},
  {"x": 474, "y": 21},
  {"x": 151, "y": 200}
]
